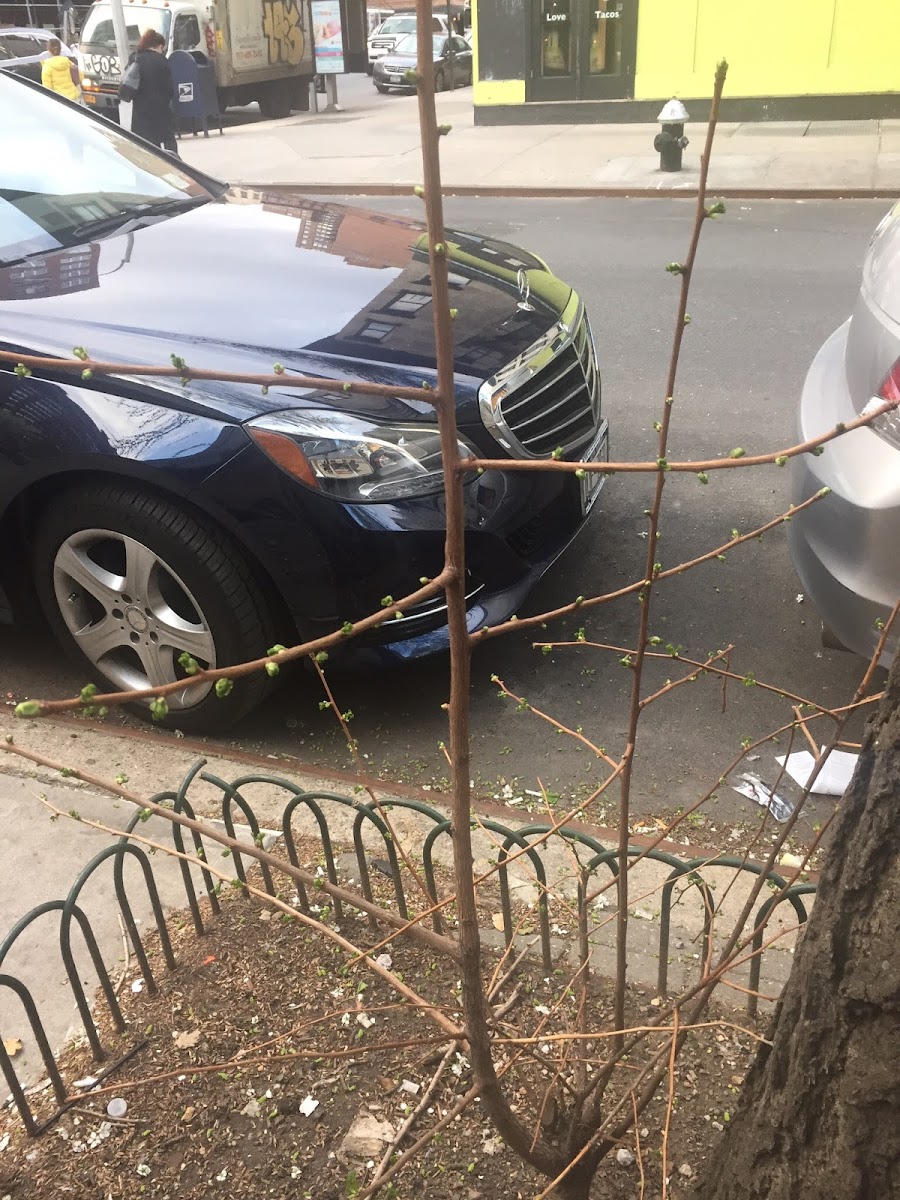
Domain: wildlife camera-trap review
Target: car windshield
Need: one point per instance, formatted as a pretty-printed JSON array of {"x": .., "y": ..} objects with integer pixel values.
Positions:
[
  {"x": 409, "y": 45},
  {"x": 68, "y": 178},
  {"x": 99, "y": 32},
  {"x": 399, "y": 25}
]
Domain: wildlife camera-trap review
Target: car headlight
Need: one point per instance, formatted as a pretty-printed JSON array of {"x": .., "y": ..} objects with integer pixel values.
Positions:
[{"x": 352, "y": 458}]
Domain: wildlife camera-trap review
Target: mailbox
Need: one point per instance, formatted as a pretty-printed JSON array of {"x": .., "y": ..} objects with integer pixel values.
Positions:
[{"x": 195, "y": 89}]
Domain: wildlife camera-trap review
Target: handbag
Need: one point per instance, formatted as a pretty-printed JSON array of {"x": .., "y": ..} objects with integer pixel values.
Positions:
[{"x": 131, "y": 81}]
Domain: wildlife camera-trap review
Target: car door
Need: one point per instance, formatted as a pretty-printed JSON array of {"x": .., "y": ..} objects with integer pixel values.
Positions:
[
  {"x": 25, "y": 54},
  {"x": 462, "y": 62}
]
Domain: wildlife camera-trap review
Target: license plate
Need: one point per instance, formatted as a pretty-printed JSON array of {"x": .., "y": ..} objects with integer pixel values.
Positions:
[
  {"x": 394, "y": 78},
  {"x": 593, "y": 481}
]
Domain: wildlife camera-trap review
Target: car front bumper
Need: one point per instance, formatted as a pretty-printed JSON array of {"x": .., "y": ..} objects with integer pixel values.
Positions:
[
  {"x": 333, "y": 562},
  {"x": 844, "y": 547}
]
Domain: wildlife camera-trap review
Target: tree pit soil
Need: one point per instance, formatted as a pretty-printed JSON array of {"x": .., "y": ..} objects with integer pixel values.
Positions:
[{"x": 260, "y": 1052}]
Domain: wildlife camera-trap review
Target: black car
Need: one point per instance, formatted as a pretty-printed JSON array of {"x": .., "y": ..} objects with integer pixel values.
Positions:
[
  {"x": 149, "y": 519},
  {"x": 452, "y": 64},
  {"x": 23, "y": 50}
]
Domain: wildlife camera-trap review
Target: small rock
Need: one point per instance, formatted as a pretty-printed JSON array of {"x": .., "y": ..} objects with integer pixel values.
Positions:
[
  {"x": 143, "y": 1170},
  {"x": 250, "y": 1109},
  {"x": 367, "y": 1137},
  {"x": 624, "y": 1157},
  {"x": 385, "y": 960},
  {"x": 189, "y": 1113},
  {"x": 717, "y": 1125},
  {"x": 686, "y": 1170}
]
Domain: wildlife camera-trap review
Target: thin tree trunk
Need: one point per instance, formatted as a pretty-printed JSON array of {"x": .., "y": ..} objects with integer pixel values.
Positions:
[{"x": 819, "y": 1116}]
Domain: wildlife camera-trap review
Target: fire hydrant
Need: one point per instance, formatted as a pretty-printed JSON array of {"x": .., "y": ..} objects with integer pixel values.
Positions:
[{"x": 670, "y": 141}]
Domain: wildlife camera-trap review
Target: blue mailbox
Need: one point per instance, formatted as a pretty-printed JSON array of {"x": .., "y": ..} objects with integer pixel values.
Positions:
[{"x": 195, "y": 89}]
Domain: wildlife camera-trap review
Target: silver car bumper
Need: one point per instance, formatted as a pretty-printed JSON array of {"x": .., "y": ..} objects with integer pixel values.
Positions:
[{"x": 844, "y": 548}]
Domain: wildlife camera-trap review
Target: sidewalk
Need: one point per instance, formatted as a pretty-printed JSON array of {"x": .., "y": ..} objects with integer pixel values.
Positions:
[{"x": 376, "y": 149}]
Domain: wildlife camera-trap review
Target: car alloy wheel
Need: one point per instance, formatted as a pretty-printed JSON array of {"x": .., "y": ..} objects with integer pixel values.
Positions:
[
  {"x": 130, "y": 614},
  {"x": 130, "y": 580},
  {"x": 439, "y": 81}
]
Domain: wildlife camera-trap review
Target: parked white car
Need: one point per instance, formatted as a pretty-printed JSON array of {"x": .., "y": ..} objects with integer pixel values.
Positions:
[{"x": 389, "y": 33}]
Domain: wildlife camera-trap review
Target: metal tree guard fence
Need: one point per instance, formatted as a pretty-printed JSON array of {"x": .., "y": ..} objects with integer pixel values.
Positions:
[{"x": 370, "y": 836}]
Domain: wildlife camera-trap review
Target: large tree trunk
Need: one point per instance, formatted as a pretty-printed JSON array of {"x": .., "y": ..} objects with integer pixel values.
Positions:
[{"x": 819, "y": 1116}]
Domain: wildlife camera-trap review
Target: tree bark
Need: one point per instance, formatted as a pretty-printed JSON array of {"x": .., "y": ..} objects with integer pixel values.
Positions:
[{"x": 819, "y": 1115}]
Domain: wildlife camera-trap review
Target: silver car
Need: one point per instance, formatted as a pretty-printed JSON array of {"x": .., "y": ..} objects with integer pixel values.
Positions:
[{"x": 846, "y": 548}]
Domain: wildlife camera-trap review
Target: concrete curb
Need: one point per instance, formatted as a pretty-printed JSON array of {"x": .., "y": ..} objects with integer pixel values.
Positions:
[
  {"x": 159, "y": 747},
  {"x": 476, "y": 191}
]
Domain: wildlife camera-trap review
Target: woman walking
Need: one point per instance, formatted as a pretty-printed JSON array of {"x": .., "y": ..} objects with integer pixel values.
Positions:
[
  {"x": 149, "y": 84},
  {"x": 58, "y": 73}
]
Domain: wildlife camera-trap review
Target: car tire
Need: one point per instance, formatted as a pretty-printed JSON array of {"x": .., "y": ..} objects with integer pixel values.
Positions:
[
  {"x": 439, "y": 81},
  {"x": 275, "y": 102},
  {"x": 196, "y": 584},
  {"x": 830, "y": 639}
]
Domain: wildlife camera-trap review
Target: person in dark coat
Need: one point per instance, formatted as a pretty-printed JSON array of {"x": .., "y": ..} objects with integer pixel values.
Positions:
[{"x": 152, "y": 117}]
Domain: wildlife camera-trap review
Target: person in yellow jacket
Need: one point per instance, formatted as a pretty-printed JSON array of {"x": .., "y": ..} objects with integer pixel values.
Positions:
[{"x": 59, "y": 73}]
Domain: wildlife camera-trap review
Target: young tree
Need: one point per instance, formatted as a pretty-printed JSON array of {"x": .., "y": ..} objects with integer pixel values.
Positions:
[{"x": 819, "y": 1115}]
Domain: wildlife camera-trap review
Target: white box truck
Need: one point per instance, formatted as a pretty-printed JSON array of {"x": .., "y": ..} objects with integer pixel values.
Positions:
[{"x": 261, "y": 49}]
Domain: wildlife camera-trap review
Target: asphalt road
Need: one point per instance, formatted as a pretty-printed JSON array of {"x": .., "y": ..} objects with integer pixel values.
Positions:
[{"x": 772, "y": 281}]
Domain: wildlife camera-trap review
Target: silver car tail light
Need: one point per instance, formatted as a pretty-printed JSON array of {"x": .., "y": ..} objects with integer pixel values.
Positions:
[{"x": 888, "y": 425}]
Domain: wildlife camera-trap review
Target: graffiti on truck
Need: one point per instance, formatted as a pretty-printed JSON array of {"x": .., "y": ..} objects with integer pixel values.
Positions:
[{"x": 283, "y": 26}]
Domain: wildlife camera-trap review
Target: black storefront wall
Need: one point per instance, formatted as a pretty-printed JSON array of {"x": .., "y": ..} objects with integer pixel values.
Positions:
[{"x": 563, "y": 49}]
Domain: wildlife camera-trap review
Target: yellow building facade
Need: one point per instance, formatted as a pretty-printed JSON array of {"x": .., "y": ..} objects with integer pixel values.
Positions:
[{"x": 615, "y": 60}]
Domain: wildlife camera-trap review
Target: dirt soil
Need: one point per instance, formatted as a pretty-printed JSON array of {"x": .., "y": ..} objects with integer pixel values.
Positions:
[{"x": 261, "y": 1051}]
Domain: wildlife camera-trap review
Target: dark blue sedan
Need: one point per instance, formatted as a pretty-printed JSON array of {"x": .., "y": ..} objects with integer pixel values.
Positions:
[{"x": 149, "y": 519}]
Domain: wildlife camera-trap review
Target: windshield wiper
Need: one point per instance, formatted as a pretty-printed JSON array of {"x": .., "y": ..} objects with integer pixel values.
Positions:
[{"x": 99, "y": 226}]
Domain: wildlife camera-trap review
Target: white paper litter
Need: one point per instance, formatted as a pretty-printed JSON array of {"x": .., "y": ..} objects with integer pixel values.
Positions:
[
  {"x": 308, "y": 1107},
  {"x": 409, "y": 1086},
  {"x": 754, "y": 789},
  {"x": 834, "y": 778}
]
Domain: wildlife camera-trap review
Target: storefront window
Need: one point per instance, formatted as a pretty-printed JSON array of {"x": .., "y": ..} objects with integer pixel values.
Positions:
[
  {"x": 606, "y": 37},
  {"x": 556, "y": 37}
]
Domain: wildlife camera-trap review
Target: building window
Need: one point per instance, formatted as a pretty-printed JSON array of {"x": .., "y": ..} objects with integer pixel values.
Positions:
[
  {"x": 606, "y": 38},
  {"x": 375, "y": 331},
  {"x": 556, "y": 38},
  {"x": 408, "y": 303},
  {"x": 455, "y": 281}
]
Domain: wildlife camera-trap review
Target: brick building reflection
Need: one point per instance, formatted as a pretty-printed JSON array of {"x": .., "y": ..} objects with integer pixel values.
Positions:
[{"x": 74, "y": 269}]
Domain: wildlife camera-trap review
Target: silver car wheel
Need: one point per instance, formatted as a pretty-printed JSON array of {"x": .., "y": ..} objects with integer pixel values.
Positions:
[{"x": 129, "y": 613}]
